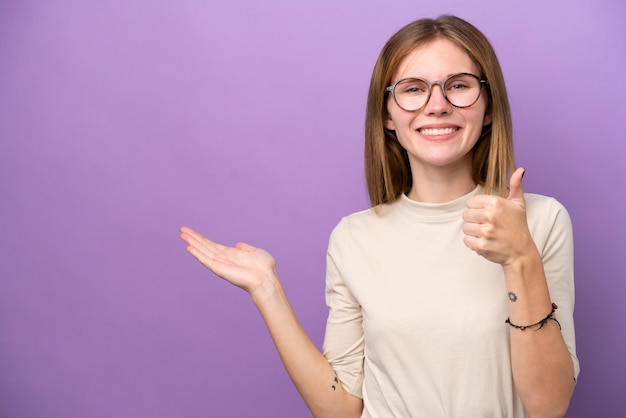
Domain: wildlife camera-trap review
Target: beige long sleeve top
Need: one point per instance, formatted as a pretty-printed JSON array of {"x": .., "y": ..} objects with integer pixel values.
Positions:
[{"x": 416, "y": 323}]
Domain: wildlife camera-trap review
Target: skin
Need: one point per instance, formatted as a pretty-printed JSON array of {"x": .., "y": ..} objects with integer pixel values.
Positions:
[{"x": 494, "y": 227}]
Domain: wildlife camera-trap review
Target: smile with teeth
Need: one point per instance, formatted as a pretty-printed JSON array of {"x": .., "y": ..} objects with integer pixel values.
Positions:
[{"x": 435, "y": 132}]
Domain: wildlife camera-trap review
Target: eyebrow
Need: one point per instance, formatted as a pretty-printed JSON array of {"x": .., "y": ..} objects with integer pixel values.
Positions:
[{"x": 443, "y": 78}]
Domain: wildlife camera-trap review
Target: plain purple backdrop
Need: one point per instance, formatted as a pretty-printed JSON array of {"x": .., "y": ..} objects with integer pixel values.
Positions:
[{"x": 122, "y": 120}]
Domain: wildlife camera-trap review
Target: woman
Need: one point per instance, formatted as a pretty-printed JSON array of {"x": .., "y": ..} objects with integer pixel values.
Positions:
[{"x": 443, "y": 296}]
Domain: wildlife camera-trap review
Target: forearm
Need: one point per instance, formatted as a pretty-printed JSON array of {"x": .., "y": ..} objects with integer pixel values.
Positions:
[
  {"x": 309, "y": 370},
  {"x": 542, "y": 366}
]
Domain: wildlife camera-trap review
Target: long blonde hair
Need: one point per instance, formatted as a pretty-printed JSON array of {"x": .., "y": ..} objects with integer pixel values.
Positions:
[{"x": 387, "y": 169}]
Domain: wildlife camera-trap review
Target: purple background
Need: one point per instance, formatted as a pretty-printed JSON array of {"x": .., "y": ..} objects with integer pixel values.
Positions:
[{"x": 122, "y": 120}]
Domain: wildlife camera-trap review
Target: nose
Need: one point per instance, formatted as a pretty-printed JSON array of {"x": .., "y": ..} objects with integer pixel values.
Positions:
[{"x": 437, "y": 103}]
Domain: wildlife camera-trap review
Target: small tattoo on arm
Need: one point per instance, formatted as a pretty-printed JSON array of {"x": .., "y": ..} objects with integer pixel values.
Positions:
[
  {"x": 512, "y": 297},
  {"x": 336, "y": 381}
]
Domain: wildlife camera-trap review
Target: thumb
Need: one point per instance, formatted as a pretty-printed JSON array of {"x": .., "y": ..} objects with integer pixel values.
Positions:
[
  {"x": 515, "y": 185},
  {"x": 244, "y": 247}
]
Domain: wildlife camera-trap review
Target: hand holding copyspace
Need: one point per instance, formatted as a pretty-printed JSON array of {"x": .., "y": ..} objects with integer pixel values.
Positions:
[{"x": 243, "y": 265}]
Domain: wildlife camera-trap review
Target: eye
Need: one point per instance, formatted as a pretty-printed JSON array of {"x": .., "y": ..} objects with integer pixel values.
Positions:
[
  {"x": 412, "y": 87},
  {"x": 458, "y": 85}
]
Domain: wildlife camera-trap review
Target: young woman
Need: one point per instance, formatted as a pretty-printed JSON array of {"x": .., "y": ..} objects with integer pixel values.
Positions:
[{"x": 443, "y": 296}]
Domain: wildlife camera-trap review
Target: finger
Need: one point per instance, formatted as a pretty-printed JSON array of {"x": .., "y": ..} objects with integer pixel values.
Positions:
[
  {"x": 515, "y": 185},
  {"x": 479, "y": 201},
  {"x": 201, "y": 256},
  {"x": 209, "y": 260},
  {"x": 474, "y": 216},
  {"x": 192, "y": 233},
  {"x": 471, "y": 242},
  {"x": 207, "y": 251},
  {"x": 187, "y": 234},
  {"x": 471, "y": 229},
  {"x": 199, "y": 241},
  {"x": 186, "y": 229}
]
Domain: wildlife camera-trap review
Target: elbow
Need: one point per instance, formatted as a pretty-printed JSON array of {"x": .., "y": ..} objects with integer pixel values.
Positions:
[
  {"x": 335, "y": 414},
  {"x": 347, "y": 407},
  {"x": 543, "y": 410},
  {"x": 554, "y": 413},
  {"x": 549, "y": 404}
]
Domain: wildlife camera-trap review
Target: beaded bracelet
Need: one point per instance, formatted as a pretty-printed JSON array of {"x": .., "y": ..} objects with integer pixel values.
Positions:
[{"x": 540, "y": 323}]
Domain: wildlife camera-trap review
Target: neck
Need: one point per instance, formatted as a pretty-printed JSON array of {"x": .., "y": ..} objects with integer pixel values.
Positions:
[{"x": 440, "y": 185}]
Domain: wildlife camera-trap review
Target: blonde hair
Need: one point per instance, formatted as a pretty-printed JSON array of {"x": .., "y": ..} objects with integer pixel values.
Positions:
[{"x": 387, "y": 169}]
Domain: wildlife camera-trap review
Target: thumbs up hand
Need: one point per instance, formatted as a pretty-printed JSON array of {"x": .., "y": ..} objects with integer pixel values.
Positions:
[{"x": 496, "y": 227}]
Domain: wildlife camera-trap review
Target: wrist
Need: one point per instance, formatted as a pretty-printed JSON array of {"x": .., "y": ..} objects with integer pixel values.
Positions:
[
  {"x": 268, "y": 289},
  {"x": 523, "y": 264},
  {"x": 537, "y": 325}
]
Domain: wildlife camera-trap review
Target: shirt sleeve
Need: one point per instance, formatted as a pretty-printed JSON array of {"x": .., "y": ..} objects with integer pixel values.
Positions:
[
  {"x": 343, "y": 342},
  {"x": 556, "y": 246}
]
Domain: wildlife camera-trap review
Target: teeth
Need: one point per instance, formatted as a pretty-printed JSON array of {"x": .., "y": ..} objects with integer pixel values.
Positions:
[{"x": 434, "y": 132}]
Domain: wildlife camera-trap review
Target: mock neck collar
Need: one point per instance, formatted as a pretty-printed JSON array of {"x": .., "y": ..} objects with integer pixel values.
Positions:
[{"x": 435, "y": 212}]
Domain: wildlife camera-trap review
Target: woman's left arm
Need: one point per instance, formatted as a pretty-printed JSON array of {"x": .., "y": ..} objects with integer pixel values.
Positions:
[{"x": 543, "y": 368}]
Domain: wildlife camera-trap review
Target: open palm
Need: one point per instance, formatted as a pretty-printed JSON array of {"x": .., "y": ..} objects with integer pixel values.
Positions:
[{"x": 243, "y": 265}]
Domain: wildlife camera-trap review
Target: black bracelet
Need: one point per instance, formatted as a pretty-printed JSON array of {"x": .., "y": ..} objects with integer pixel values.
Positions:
[{"x": 540, "y": 323}]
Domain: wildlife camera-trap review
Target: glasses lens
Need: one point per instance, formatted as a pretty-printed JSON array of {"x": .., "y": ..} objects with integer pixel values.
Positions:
[
  {"x": 462, "y": 90},
  {"x": 411, "y": 94}
]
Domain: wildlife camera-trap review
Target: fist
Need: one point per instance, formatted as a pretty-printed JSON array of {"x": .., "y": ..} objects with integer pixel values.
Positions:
[{"x": 496, "y": 227}]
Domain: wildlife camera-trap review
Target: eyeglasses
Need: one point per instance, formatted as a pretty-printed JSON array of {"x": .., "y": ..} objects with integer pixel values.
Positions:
[{"x": 460, "y": 90}]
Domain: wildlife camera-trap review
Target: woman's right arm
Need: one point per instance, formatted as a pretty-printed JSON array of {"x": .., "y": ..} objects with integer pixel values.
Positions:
[{"x": 254, "y": 270}]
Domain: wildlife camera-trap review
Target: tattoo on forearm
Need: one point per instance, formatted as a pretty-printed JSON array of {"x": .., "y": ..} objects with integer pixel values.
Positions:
[
  {"x": 512, "y": 297},
  {"x": 334, "y": 386}
]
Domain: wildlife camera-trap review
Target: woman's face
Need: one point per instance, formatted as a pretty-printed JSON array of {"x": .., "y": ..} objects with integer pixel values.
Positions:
[{"x": 438, "y": 135}]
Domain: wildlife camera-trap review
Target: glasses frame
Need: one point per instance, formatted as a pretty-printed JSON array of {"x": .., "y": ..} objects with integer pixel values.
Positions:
[{"x": 441, "y": 83}]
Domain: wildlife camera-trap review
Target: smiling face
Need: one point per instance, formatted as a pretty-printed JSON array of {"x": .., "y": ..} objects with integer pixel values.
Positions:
[{"x": 439, "y": 135}]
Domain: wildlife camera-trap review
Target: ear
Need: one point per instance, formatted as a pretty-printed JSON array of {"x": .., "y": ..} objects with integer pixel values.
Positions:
[
  {"x": 487, "y": 119},
  {"x": 389, "y": 124}
]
